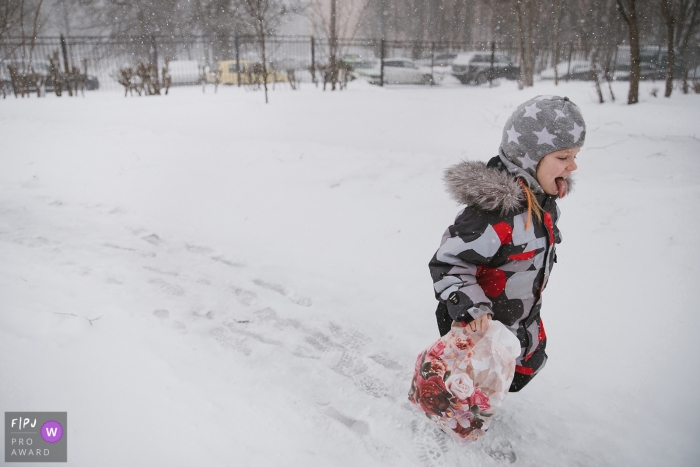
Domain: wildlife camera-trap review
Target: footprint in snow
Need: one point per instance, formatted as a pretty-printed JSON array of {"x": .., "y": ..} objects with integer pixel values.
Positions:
[
  {"x": 338, "y": 348},
  {"x": 350, "y": 338},
  {"x": 284, "y": 291},
  {"x": 501, "y": 450},
  {"x": 244, "y": 297},
  {"x": 231, "y": 341},
  {"x": 164, "y": 316},
  {"x": 153, "y": 239},
  {"x": 221, "y": 259},
  {"x": 160, "y": 271},
  {"x": 370, "y": 385},
  {"x": 359, "y": 427},
  {"x": 166, "y": 287},
  {"x": 145, "y": 254},
  {"x": 388, "y": 362},
  {"x": 429, "y": 442},
  {"x": 385, "y": 454},
  {"x": 201, "y": 250},
  {"x": 349, "y": 364}
]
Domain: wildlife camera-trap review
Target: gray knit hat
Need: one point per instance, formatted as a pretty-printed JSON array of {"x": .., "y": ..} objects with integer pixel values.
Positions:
[{"x": 537, "y": 127}]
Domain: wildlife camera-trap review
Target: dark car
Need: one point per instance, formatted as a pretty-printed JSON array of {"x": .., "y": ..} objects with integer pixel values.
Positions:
[
  {"x": 575, "y": 70},
  {"x": 653, "y": 63},
  {"x": 475, "y": 67}
]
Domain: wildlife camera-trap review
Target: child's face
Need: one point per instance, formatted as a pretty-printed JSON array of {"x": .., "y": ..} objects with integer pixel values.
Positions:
[{"x": 554, "y": 169}]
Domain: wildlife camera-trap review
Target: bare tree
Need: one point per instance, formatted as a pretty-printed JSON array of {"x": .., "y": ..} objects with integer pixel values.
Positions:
[
  {"x": 139, "y": 17},
  {"x": 628, "y": 11},
  {"x": 23, "y": 19},
  {"x": 686, "y": 23},
  {"x": 10, "y": 16},
  {"x": 263, "y": 17},
  {"x": 669, "y": 13},
  {"x": 333, "y": 19}
]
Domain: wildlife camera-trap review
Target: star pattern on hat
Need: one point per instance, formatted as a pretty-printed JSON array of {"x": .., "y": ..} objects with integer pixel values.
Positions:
[
  {"x": 531, "y": 111},
  {"x": 545, "y": 137},
  {"x": 560, "y": 113},
  {"x": 576, "y": 132},
  {"x": 513, "y": 135},
  {"x": 527, "y": 163}
]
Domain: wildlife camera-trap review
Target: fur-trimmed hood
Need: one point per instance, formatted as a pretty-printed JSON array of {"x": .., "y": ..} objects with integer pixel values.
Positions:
[
  {"x": 475, "y": 184},
  {"x": 487, "y": 187}
]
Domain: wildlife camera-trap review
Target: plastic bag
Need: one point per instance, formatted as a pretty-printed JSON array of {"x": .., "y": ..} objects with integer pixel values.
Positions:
[{"x": 462, "y": 379}]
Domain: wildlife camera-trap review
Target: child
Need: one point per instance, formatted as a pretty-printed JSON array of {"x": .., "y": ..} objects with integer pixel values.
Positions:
[{"x": 494, "y": 262}]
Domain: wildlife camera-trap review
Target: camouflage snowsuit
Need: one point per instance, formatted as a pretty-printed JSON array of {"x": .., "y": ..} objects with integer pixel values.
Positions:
[{"x": 490, "y": 263}]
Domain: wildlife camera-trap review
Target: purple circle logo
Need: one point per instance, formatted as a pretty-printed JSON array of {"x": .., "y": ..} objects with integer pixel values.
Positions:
[{"x": 51, "y": 431}]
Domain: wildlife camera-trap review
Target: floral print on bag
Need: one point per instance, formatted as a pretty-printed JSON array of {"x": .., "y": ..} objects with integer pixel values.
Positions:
[{"x": 462, "y": 379}]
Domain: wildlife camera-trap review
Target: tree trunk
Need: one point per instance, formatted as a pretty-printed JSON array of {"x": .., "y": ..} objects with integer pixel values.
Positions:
[
  {"x": 523, "y": 9},
  {"x": 521, "y": 43},
  {"x": 264, "y": 63},
  {"x": 684, "y": 29},
  {"x": 669, "y": 17},
  {"x": 671, "y": 61},
  {"x": 556, "y": 42},
  {"x": 529, "y": 46},
  {"x": 630, "y": 17},
  {"x": 333, "y": 46},
  {"x": 594, "y": 75},
  {"x": 635, "y": 59}
]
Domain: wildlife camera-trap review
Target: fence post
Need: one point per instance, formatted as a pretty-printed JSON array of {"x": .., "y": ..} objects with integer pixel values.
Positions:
[
  {"x": 238, "y": 62},
  {"x": 313, "y": 61},
  {"x": 64, "y": 49},
  {"x": 154, "y": 46},
  {"x": 381, "y": 63},
  {"x": 568, "y": 70},
  {"x": 493, "y": 54}
]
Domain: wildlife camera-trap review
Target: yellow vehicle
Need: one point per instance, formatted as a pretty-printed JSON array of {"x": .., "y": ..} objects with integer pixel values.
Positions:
[{"x": 251, "y": 73}]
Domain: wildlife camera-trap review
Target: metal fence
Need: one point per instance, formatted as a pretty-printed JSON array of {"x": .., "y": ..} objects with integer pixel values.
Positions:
[{"x": 191, "y": 58}]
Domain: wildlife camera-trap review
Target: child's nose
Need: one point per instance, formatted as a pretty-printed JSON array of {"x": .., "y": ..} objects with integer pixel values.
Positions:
[{"x": 572, "y": 166}]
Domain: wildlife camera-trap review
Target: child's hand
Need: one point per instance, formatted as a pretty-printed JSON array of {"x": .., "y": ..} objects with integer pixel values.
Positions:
[{"x": 479, "y": 324}]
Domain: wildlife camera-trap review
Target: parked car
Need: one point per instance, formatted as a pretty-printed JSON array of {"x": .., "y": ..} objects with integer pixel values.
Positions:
[
  {"x": 653, "y": 66},
  {"x": 475, "y": 67},
  {"x": 439, "y": 60},
  {"x": 92, "y": 83},
  {"x": 361, "y": 67},
  {"x": 576, "y": 70},
  {"x": 249, "y": 70},
  {"x": 283, "y": 64},
  {"x": 400, "y": 71}
]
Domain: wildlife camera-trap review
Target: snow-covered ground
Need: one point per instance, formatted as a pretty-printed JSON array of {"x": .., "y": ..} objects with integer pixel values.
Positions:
[{"x": 207, "y": 280}]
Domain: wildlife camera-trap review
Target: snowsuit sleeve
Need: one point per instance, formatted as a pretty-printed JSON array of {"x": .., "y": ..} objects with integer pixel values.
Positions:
[{"x": 468, "y": 244}]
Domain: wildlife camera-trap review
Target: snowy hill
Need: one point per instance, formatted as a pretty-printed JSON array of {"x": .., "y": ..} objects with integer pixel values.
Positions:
[{"x": 207, "y": 280}]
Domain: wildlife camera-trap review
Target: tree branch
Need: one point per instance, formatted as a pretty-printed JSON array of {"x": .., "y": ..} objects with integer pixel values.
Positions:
[{"x": 621, "y": 9}]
